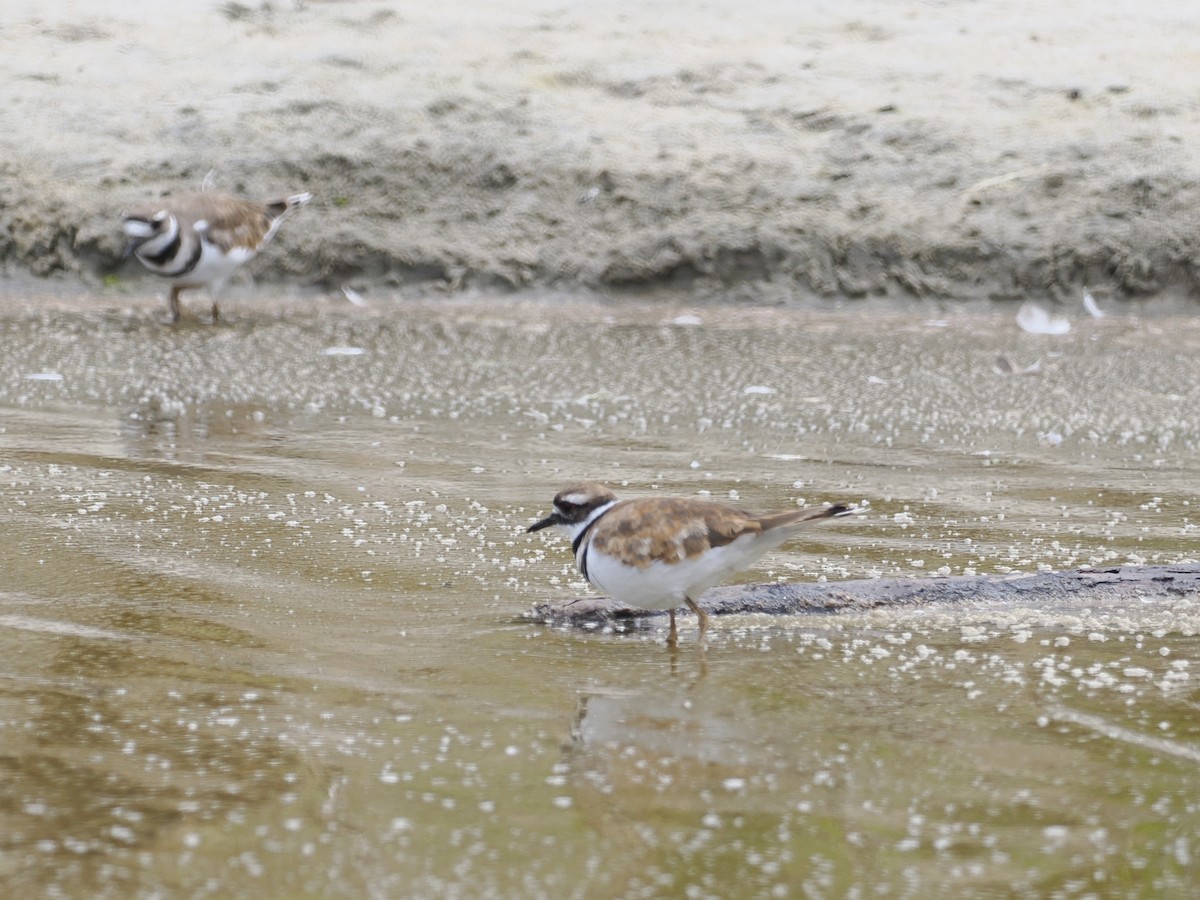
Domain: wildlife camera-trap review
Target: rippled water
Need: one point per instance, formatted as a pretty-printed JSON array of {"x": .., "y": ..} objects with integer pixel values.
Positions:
[{"x": 262, "y": 586}]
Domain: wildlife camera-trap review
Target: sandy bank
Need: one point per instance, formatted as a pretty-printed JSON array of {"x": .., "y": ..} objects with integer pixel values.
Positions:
[{"x": 767, "y": 150}]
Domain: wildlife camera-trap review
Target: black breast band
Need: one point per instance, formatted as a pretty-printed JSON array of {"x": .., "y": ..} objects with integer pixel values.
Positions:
[
  {"x": 167, "y": 253},
  {"x": 578, "y": 542}
]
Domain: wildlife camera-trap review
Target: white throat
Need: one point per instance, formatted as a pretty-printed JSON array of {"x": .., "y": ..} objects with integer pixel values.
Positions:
[
  {"x": 136, "y": 228},
  {"x": 156, "y": 245}
]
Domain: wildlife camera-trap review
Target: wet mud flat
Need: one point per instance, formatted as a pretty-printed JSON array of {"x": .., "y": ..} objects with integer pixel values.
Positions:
[{"x": 263, "y": 587}]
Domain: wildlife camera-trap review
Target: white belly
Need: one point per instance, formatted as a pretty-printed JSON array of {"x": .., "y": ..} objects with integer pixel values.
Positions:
[
  {"x": 214, "y": 268},
  {"x": 664, "y": 585}
]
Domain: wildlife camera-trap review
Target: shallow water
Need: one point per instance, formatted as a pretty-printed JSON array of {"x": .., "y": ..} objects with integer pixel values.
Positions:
[{"x": 261, "y": 594}]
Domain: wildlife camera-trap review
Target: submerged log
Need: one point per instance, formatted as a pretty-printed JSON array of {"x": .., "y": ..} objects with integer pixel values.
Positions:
[{"x": 1118, "y": 583}]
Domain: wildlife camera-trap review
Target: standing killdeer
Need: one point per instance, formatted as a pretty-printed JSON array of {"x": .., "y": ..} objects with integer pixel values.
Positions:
[
  {"x": 659, "y": 552},
  {"x": 201, "y": 238}
]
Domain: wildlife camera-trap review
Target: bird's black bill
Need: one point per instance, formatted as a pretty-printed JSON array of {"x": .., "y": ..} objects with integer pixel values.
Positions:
[
  {"x": 552, "y": 519},
  {"x": 133, "y": 244}
]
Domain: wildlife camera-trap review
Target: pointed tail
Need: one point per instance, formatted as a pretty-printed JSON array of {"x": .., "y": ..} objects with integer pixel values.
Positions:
[
  {"x": 811, "y": 514},
  {"x": 276, "y": 208}
]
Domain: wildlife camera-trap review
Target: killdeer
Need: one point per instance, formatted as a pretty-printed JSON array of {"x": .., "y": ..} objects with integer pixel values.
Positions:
[
  {"x": 660, "y": 552},
  {"x": 199, "y": 239}
]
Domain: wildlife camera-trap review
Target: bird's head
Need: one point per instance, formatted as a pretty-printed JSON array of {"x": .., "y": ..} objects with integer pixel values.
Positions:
[{"x": 147, "y": 228}]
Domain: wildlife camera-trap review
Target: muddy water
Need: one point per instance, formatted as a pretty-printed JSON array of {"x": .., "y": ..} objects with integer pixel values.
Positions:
[{"x": 261, "y": 591}]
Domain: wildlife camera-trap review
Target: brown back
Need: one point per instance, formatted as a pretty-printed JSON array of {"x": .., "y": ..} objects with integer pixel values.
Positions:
[{"x": 674, "y": 529}]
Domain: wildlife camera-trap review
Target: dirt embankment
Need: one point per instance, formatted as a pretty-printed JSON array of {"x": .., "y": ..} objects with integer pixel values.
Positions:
[{"x": 755, "y": 151}]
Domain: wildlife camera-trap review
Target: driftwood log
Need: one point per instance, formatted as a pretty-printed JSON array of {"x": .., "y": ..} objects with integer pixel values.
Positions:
[{"x": 1144, "y": 583}]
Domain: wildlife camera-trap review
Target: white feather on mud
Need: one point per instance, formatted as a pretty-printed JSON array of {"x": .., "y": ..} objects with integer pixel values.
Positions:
[
  {"x": 354, "y": 296},
  {"x": 1035, "y": 320}
]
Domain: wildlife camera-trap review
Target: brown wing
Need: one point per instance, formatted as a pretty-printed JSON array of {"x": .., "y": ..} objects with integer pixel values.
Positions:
[
  {"x": 672, "y": 529},
  {"x": 669, "y": 529},
  {"x": 232, "y": 221}
]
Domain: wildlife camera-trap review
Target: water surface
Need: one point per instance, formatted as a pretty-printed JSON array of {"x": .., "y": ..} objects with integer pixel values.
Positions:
[{"x": 262, "y": 586}]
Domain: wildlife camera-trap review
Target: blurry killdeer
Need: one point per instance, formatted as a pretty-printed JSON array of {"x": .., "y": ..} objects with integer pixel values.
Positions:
[
  {"x": 199, "y": 239},
  {"x": 660, "y": 552}
]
